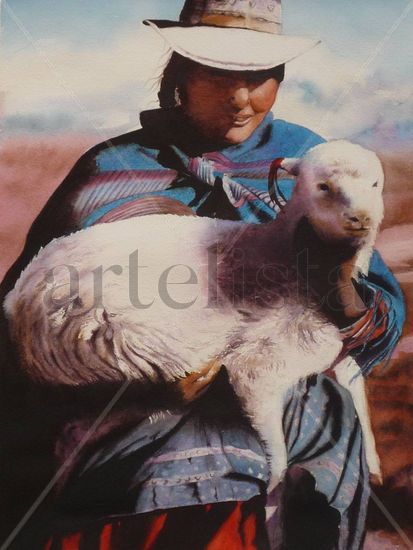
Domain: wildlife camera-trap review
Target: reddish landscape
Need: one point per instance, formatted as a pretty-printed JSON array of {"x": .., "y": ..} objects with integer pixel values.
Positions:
[{"x": 30, "y": 169}]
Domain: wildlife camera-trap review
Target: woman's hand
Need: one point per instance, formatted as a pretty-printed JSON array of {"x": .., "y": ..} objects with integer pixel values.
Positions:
[
  {"x": 194, "y": 385},
  {"x": 352, "y": 303}
]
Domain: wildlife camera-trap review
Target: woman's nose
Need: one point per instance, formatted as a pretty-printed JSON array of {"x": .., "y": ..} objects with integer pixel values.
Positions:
[{"x": 240, "y": 97}]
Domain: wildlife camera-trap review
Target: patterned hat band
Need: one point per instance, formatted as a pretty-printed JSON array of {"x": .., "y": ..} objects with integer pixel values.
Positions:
[
  {"x": 237, "y": 21},
  {"x": 257, "y": 15}
]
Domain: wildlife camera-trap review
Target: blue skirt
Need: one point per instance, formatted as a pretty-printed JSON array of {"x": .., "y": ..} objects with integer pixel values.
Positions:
[{"x": 210, "y": 454}]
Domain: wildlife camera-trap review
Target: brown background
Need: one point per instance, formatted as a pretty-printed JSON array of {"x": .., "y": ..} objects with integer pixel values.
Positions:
[{"x": 31, "y": 168}]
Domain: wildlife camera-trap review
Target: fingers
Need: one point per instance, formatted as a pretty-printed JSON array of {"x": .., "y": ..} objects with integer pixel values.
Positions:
[{"x": 194, "y": 385}]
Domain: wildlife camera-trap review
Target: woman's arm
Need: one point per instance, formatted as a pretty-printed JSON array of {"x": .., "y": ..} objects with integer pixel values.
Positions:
[{"x": 373, "y": 337}]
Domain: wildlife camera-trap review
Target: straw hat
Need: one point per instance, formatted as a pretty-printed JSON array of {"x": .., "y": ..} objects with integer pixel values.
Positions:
[{"x": 237, "y": 35}]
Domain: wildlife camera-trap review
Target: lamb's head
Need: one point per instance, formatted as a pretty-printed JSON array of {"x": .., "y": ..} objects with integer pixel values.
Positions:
[{"x": 339, "y": 190}]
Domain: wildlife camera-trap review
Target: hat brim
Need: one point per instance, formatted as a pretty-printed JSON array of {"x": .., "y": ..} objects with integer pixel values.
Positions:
[{"x": 230, "y": 48}]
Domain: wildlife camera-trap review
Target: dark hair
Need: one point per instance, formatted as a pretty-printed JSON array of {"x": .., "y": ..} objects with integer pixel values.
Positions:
[{"x": 176, "y": 72}]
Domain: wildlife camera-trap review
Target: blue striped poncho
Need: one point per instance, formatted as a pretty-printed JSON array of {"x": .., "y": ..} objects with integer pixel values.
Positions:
[{"x": 209, "y": 453}]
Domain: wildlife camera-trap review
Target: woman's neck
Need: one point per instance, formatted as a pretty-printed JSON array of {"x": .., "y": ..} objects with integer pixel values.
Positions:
[
  {"x": 174, "y": 127},
  {"x": 193, "y": 139}
]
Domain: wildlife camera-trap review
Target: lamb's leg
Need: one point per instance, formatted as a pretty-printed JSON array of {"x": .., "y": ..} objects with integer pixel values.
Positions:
[
  {"x": 265, "y": 409},
  {"x": 273, "y": 434},
  {"x": 348, "y": 375},
  {"x": 266, "y": 412}
]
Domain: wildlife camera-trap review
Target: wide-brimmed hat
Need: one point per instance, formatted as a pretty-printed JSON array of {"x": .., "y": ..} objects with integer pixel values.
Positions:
[{"x": 237, "y": 35}]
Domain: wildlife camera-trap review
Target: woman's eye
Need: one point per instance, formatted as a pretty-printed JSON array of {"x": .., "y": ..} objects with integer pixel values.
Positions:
[
  {"x": 217, "y": 76},
  {"x": 324, "y": 187}
]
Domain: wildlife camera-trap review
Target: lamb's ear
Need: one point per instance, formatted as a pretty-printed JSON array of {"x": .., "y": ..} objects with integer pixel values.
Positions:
[{"x": 289, "y": 165}]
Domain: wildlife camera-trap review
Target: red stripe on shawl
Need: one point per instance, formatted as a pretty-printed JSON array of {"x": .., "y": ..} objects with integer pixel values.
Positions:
[
  {"x": 371, "y": 326},
  {"x": 110, "y": 186},
  {"x": 129, "y": 175},
  {"x": 223, "y": 163},
  {"x": 146, "y": 206}
]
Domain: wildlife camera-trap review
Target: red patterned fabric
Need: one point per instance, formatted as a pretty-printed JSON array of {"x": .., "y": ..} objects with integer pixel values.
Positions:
[
  {"x": 370, "y": 327},
  {"x": 227, "y": 525}
]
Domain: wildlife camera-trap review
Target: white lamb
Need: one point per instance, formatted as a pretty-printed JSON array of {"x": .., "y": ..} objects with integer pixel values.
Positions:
[{"x": 155, "y": 298}]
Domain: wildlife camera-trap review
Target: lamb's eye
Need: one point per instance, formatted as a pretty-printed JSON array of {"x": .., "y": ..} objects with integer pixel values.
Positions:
[
  {"x": 376, "y": 184},
  {"x": 324, "y": 187}
]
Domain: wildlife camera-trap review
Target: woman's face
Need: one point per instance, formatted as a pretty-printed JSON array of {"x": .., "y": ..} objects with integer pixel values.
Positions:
[{"x": 227, "y": 106}]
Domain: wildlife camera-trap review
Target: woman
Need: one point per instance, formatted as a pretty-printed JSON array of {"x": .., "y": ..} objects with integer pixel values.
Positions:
[{"x": 197, "y": 479}]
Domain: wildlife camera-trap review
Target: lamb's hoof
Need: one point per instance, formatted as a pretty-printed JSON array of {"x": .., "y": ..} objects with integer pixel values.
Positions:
[
  {"x": 270, "y": 511},
  {"x": 194, "y": 385},
  {"x": 373, "y": 463},
  {"x": 272, "y": 498},
  {"x": 376, "y": 478}
]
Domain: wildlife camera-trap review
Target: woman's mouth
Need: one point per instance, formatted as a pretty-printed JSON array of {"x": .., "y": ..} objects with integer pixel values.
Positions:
[{"x": 241, "y": 121}]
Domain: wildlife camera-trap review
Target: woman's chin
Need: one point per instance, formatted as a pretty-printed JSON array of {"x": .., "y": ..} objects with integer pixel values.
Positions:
[
  {"x": 236, "y": 135},
  {"x": 242, "y": 130},
  {"x": 227, "y": 133}
]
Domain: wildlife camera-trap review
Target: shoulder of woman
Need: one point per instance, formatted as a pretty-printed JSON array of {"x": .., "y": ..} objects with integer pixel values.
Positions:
[
  {"x": 59, "y": 215},
  {"x": 115, "y": 153},
  {"x": 297, "y": 139},
  {"x": 130, "y": 151}
]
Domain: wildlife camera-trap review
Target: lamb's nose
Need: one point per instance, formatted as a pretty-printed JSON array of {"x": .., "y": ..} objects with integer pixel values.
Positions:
[{"x": 358, "y": 219}]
